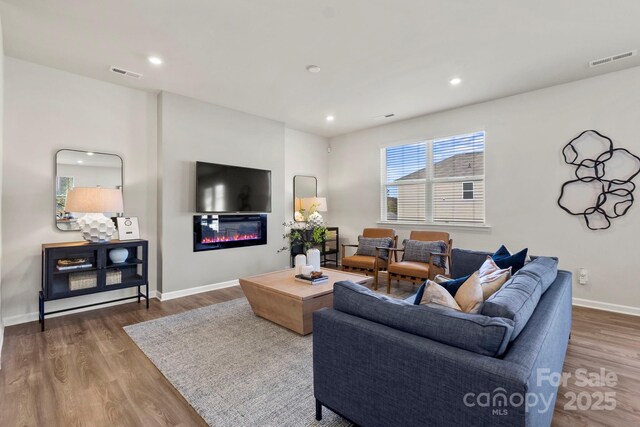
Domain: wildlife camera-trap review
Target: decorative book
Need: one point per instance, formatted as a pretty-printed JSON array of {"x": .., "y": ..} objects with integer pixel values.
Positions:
[
  {"x": 310, "y": 281},
  {"x": 73, "y": 267}
]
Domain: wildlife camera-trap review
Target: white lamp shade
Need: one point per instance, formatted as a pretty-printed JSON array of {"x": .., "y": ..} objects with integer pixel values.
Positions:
[
  {"x": 94, "y": 200},
  {"x": 321, "y": 204},
  {"x": 314, "y": 204}
]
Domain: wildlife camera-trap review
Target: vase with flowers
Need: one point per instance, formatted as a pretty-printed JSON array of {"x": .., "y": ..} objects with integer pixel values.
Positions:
[{"x": 301, "y": 237}]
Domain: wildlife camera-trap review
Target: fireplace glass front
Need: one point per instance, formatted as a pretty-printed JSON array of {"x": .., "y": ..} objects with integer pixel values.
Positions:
[{"x": 228, "y": 231}]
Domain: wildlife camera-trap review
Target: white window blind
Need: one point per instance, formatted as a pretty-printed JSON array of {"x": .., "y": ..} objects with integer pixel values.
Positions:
[{"x": 439, "y": 181}]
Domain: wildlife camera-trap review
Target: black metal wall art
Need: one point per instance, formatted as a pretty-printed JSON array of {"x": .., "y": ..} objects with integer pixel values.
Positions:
[{"x": 613, "y": 183}]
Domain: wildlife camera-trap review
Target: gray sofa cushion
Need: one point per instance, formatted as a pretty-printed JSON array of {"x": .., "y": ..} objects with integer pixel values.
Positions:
[
  {"x": 473, "y": 332},
  {"x": 465, "y": 262},
  {"x": 516, "y": 300},
  {"x": 543, "y": 268}
]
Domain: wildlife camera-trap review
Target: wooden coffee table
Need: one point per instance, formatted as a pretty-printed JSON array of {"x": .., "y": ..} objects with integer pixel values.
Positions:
[{"x": 280, "y": 298}]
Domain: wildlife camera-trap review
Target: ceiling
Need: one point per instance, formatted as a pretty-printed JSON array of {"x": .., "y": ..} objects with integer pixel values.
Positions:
[{"x": 377, "y": 56}]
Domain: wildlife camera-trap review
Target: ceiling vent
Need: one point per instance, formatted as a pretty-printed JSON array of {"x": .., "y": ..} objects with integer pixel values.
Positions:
[
  {"x": 127, "y": 73},
  {"x": 385, "y": 116},
  {"x": 608, "y": 60}
]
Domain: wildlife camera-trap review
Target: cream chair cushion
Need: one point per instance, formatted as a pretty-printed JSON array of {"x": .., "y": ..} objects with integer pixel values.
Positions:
[
  {"x": 410, "y": 268},
  {"x": 361, "y": 261}
]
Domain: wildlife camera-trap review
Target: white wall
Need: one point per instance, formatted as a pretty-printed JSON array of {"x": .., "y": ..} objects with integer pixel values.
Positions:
[
  {"x": 524, "y": 138},
  {"x": 192, "y": 130},
  {"x": 49, "y": 110},
  {"x": 305, "y": 154},
  {"x": 1, "y": 155}
]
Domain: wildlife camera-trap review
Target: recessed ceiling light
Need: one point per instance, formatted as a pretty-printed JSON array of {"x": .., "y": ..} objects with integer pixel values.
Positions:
[
  {"x": 455, "y": 81},
  {"x": 330, "y": 118},
  {"x": 313, "y": 69},
  {"x": 155, "y": 60},
  {"x": 89, "y": 153},
  {"x": 79, "y": 161}
]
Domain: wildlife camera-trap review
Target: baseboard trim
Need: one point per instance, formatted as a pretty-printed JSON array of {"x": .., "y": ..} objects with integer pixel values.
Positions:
[
  {"x": 31, "y": 317},
  {"x": 606, "y": 306},
  {"x": 166, "y": 296}
]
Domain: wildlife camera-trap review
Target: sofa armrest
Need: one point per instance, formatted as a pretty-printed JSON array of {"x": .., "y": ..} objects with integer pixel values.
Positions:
[{"x": 376, "y": 375}]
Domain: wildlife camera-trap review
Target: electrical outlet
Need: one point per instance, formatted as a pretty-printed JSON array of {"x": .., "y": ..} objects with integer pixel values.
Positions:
[{"x": 583, "y": 276}]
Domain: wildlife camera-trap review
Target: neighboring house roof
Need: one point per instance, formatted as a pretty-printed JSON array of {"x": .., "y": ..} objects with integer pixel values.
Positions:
[{"x": 457, "y": 165}]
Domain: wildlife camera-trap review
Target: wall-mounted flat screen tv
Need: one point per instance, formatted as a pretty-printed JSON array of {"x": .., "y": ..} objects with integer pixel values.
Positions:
[{"x": 228, "y": 189}]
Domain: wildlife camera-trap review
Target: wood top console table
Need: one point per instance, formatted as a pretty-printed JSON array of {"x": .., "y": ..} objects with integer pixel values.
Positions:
[{"x": 81, "y": 268}]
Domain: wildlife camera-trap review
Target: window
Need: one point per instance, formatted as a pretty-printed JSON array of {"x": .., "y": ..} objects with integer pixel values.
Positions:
[
  {"x": 435, "y": 181},
  {"x": 63, "y": 184},
  {"x": 467, "y": 191}
]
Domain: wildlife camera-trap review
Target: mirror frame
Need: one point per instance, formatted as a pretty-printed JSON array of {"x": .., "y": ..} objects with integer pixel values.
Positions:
[
  {"x": 55, "y": 180},
  {"x": 294, "y": 191}
]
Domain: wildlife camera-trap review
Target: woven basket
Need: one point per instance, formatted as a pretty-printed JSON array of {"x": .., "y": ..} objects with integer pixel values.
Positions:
[
  {"x": 114, "y": 277},
  {"x": 83, "y": 280},
  {"x": 89, "y": 279}
]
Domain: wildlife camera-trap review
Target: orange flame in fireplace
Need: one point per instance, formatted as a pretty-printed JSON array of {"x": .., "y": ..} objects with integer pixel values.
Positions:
[{"x": 234, "y": 238}]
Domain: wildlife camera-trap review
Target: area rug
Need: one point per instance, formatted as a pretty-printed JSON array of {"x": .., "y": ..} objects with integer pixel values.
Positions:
[{"x": 234, "y": 368}]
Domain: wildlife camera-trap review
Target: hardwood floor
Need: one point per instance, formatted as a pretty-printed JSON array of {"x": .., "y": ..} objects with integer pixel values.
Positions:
[
  {"x": 85, "y": 370},
  {"x": 601, "y": 340}
]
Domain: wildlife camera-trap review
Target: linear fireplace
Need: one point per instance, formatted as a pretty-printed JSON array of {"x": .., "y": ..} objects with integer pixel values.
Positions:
[{"x": 228, "y": 231}]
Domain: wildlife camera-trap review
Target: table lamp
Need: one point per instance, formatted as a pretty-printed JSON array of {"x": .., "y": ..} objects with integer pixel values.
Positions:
[
  {"x": 314, "y": 205},
  {"x": 93, "y": 202}
]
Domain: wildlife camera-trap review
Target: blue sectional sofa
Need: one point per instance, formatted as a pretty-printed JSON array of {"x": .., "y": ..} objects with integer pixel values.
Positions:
[{"x": 378, "y": 361}]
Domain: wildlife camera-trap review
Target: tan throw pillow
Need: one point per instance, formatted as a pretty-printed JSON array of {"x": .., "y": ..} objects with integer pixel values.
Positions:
[
  {"x": 469, "y": 296},
  {"x": 436, "y": 294},
  {"x": 491, "y": 283}
]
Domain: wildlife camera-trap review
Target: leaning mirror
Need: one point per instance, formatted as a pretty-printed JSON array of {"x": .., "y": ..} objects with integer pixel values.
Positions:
[
  {"x": 76, "y": 169},
  {"x": 304, "y": 187}
]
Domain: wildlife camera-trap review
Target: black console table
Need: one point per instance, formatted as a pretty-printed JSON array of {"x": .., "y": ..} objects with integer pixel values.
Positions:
[
  {"x": 330, "y": 247},
  {"x": 94, "y": 274}
]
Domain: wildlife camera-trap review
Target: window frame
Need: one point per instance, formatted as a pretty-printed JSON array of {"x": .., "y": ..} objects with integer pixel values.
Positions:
[
  {"x": 472, "y": 191},
  {"x": 429, "y": 182}
]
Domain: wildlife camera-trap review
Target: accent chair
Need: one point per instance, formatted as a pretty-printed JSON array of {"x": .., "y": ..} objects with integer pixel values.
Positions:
[
  {"x": 369, "y": 265},
  {"x": 417, "y": 272}
]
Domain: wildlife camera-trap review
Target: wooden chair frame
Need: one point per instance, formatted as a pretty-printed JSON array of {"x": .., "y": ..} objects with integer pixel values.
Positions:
[
  {"x": 415, "y": 279},
  {"x": 376, "y": 267}
]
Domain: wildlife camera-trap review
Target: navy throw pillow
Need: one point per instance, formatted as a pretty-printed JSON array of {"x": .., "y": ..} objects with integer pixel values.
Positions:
[
  {"x": 451, "y": 286},
  {"x": 420, "y": 294},
  {"x": 454, "y": 284},
  {"x": 503, "y": 259},
  {"x": 502, "y": 252},
  {"x": 515, "y": 261}
]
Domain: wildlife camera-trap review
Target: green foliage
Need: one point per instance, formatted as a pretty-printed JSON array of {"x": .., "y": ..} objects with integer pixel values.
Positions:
[{"x": 302, "y": 234}]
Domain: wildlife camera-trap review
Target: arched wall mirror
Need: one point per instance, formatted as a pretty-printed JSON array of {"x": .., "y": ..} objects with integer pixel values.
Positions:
[
  {"x": 304, "y": 187},
  {"x": 75, "y": 168}
]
